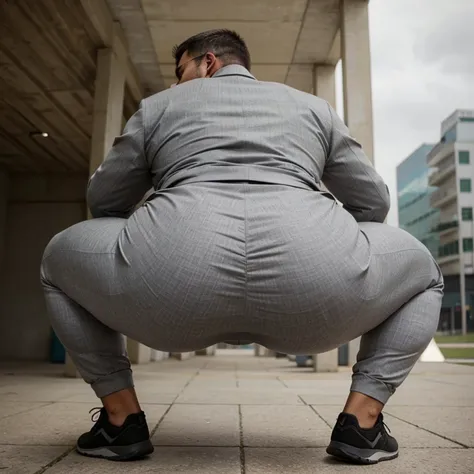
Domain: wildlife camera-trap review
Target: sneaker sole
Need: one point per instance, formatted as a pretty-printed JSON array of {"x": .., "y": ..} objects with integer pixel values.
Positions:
[
  {"x": 355, "y": 455},
  {"x": 119, "y": 453}
]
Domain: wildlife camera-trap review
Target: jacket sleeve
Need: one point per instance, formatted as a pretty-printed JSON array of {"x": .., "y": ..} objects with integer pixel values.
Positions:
[
  {"x": 349, "y": 175},
  {"x": 124, "y": 177}
]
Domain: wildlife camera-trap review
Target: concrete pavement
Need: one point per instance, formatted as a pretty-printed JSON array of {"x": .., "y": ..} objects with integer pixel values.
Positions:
[
  {"x": 456, "y": 345},
  {"x": 233, "y": 414}
]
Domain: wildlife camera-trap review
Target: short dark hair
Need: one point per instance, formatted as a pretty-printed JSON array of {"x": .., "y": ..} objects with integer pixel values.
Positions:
[{"x": 226, "y": 44}]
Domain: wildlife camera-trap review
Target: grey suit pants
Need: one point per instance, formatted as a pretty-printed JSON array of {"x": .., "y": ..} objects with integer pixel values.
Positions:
[{"x": 201, "y": 263}]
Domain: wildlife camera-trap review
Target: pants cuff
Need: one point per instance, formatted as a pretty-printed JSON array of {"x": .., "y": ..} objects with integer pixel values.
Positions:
[
  {"x": 371, "y": 387},
  {"x": 112, "y": 383}
]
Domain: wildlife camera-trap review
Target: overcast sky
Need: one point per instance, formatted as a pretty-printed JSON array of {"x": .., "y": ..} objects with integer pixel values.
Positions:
[{"x": 422, "y": 70}]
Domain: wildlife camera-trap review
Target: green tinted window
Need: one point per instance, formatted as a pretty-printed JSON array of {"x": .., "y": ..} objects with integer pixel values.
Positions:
[
  {"x": 466, "y": 213},
  {"x": 463, "y": 157},
  {"x": 467, "y": 245},
  {"x": 465, "y": 185}
]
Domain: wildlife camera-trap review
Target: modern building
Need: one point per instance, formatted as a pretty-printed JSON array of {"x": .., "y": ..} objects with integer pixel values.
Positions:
[
  {"x": 452, "y": 164},
  {"x": 415, "y": 213}
]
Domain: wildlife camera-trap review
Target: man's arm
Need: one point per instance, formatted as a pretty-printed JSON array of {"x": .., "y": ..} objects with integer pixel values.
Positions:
[
  {"x": 124, "y": 177},
  {"x": 350, "y": 176}
]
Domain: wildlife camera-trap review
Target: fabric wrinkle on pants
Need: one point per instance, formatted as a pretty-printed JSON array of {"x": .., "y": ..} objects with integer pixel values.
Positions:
[{"x": 202, "y": 263}]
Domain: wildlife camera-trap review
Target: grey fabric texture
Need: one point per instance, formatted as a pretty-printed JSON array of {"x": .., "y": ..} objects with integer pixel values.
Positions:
[{"x": 238, "y": 241}]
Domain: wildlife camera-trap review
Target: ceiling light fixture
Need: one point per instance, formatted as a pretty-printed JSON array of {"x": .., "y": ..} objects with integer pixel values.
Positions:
[{"x": 39, "y": 134}]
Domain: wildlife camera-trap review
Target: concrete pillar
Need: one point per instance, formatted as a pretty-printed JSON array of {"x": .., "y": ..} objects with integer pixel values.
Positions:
[
  {"x": 262, "y": 351},
  {"x": 138, "y": 353},
  {"x": 208, "y": 351},
  {"x": 157, "y": 356},
  {"x": 324, "y": 83},
  {"x": 355, "y": 46},
  {"x": 70, "y": 369},
  {"x": 182, "y": 355},
  {"x": 326, "y": 362},
  {"x": 108, "y": 105},
  {"x": 353, "y": 349}
]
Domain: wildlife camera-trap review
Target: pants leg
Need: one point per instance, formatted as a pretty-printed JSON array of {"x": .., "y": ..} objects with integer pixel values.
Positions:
[
  {"x": 98, "y": 351},
  {"x": 388, "y": 353}
]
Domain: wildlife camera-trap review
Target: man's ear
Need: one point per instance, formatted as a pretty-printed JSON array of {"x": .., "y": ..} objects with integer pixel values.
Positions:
[
  {"x": 210, "y": 60},
  {"x": 212, "y": 64}
]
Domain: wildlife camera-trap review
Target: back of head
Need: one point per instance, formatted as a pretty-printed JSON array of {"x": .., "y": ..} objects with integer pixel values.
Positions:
[{"x": 226, "y": 45}]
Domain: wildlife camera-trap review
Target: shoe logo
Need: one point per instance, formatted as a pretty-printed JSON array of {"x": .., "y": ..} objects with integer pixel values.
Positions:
[
  {"x": 108, "y": 438},
  {"x": 373, "y": 443}
]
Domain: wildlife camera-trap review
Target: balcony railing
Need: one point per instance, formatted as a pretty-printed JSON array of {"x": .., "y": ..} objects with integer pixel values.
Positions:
[
  {"x": 439, "y": 152},
  {"x": 446, "y": 169},
  {"x": 442, "y": 226},
  {"x": 449, "y": 249},
  {"x": 442, "y": 194}
]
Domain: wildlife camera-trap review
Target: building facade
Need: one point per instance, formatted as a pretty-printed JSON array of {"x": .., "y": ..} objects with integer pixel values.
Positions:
[
  {"x": 452, "y": 173},
  {"x": 415, "y": 213}
]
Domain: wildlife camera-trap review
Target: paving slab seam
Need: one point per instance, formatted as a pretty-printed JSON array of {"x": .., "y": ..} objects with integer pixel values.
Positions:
[
  {"x": 317, "y": 413},
  {"x": 253, "y": 403},
  {"x": 198, "y": 371},
  {"x": 203, "y": 446},
  {"x": 241, "y": 445},
  {"x": 37, "y": 445},
  {"x": 155, "y": 429},
  {"x": 282, "y": 382},
  {"x": 89, "y": 403},
  {"x": 244, "y": 446},
  {"x": 56, "y": 460},
  {"x": 302, "y": 400},
  {"x": 26, "y": 410},
  {"x": 449, "y": 383},
  {"x": 429, "y": 431},
  {"x": 415, "y": 448},
  {"x": 394, "y": 405}
]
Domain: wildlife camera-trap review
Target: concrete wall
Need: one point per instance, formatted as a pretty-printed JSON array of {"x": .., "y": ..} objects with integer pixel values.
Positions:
[
  {"x": 465, "y": 132},
  {"x": 38, "y": 208}
]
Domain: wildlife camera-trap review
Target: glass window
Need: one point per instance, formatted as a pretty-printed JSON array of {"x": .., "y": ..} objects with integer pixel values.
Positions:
[
  {"x": 465, "y": 185},
  {"x": 467, "y": 245},
  {"x": 463, "y": 157},
  {"x": 466, "y": 213},
  {"x": 451, "y": 248}
]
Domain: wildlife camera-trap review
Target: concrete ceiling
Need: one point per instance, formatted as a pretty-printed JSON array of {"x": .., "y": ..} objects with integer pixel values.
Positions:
[
  {"x": 285, "y": 37},
  {"x": 48, "y": 54}
]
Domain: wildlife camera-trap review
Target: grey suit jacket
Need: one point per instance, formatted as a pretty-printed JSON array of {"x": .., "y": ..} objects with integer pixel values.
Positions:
[{"x": 233, "y": 127}]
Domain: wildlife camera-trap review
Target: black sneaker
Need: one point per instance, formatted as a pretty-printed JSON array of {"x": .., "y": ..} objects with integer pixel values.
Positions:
[
  {"x": 117, "y": 443},
  {"x": 352, "y": 443}
]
